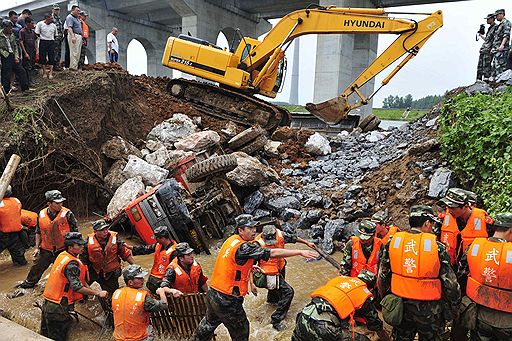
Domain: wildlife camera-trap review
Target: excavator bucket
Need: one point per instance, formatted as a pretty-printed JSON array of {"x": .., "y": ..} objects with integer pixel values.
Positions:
[{"x": 331, "y": 111}]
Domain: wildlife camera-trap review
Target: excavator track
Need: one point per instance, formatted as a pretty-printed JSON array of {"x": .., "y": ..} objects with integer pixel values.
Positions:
[{"x": 230, "y": 105}]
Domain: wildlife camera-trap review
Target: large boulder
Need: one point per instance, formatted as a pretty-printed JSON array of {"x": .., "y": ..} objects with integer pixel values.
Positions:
[
  {"x": 253, "y": 201},
  {"x": 318, "y": 145},
  {"x": 279, "y": 204},
  {"x": 159, "y": 157},
  {"x": 115, "y": 176},
  {"x": 199, "y": 141},
  {"x": 126, "y": 193},
  {"x": 440, "y": 182},
  {"x": 251, "y": 172},
  {"x": 333, "y": 230},
  {"x": 151, "y": 174},
  {"x": 118, "y": 148},
  {"x": 173, "y": 129}
]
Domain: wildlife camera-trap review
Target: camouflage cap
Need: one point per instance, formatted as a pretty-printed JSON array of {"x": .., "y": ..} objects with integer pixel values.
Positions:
[
  {"x": 99, "y": 225},
  {"x": 490, "y": 15},
  {"x": 381, "y": 217},
  {"x": 74, "y": 238},
  {"x": 455, "y": 197},
  {"x": 500, "y": 11},
  {"x": 6, "y": 23},
  {"x": 54, "y": 196},
  {"x": 55, "y": 6},
  {"x": 472, "y": 197},
  {"x": 183, "y": 249},
  {"x": 423, "y": 211},
  {"x": 133, "y": 271},
  {"x": 368, "y": 277},
  {"x": 503, "y": 219},
  {"x": 162, "y": 231},
  {"x": 245, "y": 220},
  {"x": 269, "y": 235},
  {"x": 366, "y": 229}
]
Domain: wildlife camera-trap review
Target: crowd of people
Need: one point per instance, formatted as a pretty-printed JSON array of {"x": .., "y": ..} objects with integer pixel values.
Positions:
[
  {"x": 451, "y": 268},
  {"x": 27, "y": 44},
  {"x": 495, "y": 54}
]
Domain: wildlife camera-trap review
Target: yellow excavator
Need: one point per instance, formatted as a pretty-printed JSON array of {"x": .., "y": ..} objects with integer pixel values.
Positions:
[{"x": 258, "y": 67}]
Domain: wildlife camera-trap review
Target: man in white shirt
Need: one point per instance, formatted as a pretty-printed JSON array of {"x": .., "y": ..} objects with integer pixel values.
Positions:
[
  {"x": 47, "y": 32},
  {"x": 113, "y": 45}
]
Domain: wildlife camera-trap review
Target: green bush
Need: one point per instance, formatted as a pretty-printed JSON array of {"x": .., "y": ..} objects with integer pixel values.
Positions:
[{"x": 476, "y": 139}]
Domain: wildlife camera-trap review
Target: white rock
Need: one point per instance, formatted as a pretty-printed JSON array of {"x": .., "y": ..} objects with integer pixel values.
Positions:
[
  {"x": 342, "y": 134},
  {"x": 432, "y": 122},
  {"x": 118, "y": 148},
  {"x": 375, "y": 136},
  {"x": 173, "y": 129},
  {"x": 126, "y": 193},
  {"x": 271, "y": 147},
  {"x": 115, "y": 176},
  {"x": 153, "y": 145},
  {"x": 251, "y": 172},
  {"x": 440, "y": 183},
  {"x": 318, "y": 145},
  {"x": 504, "y": 76},
  {"x": 159, "y": 157},
  {"x": 199, "y": 141},
  {"x": 151, "y": 174}
]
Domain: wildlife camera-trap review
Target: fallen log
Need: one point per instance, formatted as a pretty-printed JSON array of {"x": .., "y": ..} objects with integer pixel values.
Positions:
[{"x": 8, "y": 173}]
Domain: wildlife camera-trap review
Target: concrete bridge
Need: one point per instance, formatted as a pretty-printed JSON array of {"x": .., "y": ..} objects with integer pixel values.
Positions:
[{"x": 340, "y": 58}]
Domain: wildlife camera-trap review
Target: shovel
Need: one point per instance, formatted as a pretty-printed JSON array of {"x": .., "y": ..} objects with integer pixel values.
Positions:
[{"x": 331, "y": 111}]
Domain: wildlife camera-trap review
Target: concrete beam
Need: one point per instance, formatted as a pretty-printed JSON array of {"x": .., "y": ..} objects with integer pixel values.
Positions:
[{"x": 13, "y": 331}]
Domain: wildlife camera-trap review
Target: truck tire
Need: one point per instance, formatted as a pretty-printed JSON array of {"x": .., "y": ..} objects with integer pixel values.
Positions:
[
  {"x": 245, "y": 137},
  {"x": 369, "y": 123},
  {"x": 254, "y": 146},
  {"x": 214, "y": 165}
]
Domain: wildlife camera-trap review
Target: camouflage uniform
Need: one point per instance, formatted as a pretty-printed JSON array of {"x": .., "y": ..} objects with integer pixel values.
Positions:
[
  {"x": 500, "y": 58},
  {"x": 320, "y": 321},
  {"x": 58, "y": 40},
  {"x": 427, "y": 318},
  {"x": 484, "y": 69},
  {"x": 491, "y": 324}
]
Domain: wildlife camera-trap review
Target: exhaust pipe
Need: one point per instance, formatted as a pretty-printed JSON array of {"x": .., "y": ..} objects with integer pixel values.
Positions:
[{"x": 332, "y": 111}]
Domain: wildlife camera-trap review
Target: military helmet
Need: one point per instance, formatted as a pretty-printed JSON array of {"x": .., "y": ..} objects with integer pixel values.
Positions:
[
  {"x": 162, "y": 231},
  {"x": 99, "y": 225},
  {"x": 366, "y": 229},
  {"x": 455, "y": 197},
  {"x": 503, "y": 220},
  {"x": 72, "y": 238},
  {"x": 133, "y": 271},
  {"x": 368, "y": 277},
  {"x": 183, "y": 249}
]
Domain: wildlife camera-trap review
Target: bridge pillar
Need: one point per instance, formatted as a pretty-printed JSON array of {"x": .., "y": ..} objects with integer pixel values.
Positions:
[
  {"x": 341, "y": 58},
  {"x": 100, "y": 41}
]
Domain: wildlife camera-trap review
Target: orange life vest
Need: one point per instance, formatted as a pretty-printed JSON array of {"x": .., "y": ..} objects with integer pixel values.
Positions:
[
  {"x": 184, "y": 282},
  {"x": 227, "y": 274},
  {"x": 359, "y": 261},
  {"x": 490, "y": 274},
  {"x": 103, "y": 260},
  {"x": 53, "y": 231},
  {"x": 274, "y": 265},
  {"x": 28, "y": 218},
  {"x": 10, "y": 215},
  {"x": 345, "y": 294},
  {"x": 392, "y": 229},
  {"x": 57, "y": 286},
  {"x": 85, "y": 30},
  {"x": 415, "y": 266},
  {"x": 130, "y": 319},
  {"x": 162, "y": 259},
  {"x": 475, "y": 228}
]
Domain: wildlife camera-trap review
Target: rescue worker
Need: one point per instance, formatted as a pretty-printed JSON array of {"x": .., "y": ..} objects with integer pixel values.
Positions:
[
  {"x": 462, "y": 224},
  {"x": 416, "y": 268},
  {"x": 163, "y": 254},
  {"x": 230, "y": 278},
  {"x": 383, "y": 230},
  {"x": 103, "y": 256},
  {"x": 362, "y": 252},
  {"x": 66, "y": 285},
  {"x": 184, "y": 273},
  {"x": 132, "y": 306},
  {"x": 273, "y": 272},
  {"x": 501, "y": 43},
  {"x": 53, "y": 223},
  {"x": 484, "y": 68},
  {"x": 11, "y": 229},
  {"x": 330, "y": 314},
  {"x": 488, "y": 263},
  {"x": 85, "y": 36}
]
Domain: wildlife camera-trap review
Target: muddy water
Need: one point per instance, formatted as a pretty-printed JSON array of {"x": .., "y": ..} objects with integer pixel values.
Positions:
[{"x": 304, "y": 277}]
